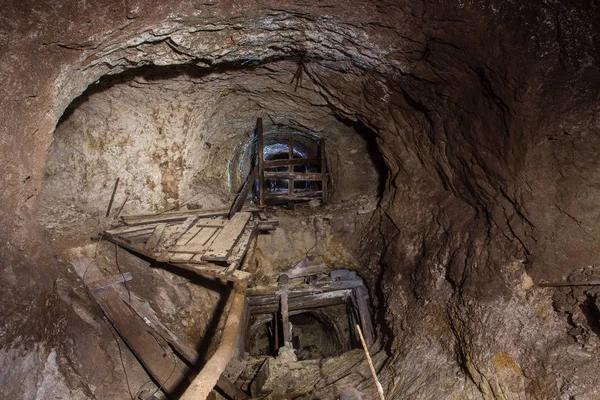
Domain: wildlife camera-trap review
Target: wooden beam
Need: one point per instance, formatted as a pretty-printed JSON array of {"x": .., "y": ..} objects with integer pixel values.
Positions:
[
  {"x": 291, "y": 167},
  {"x": 296, "y": 196},
  {"x": 221, "y": 247},
  {"x": 306, "y": 289},
  {"x": 578, "y": 283},
  {"x": 152, "y": 243},
  {"x": 170, "y": 372},
  {"x": 299, "y": 176},
  {"x": 295, "y": 161},
  {"x": 323, "y": 171},
  {"x": 361, "y": 296},
  {"x": 243, "y": 195},
  {"x": 207, "y": 378},
  {"x": 112, "y": 197},
  {"x": 285, "y": 320},
  {"x": 172, "y": 216},
  {"x": 305, "y": 302},
  {"x": 261, "y": 160},
  {"x": 109, "y": 281},
  {"x": 148, "y": 315}
]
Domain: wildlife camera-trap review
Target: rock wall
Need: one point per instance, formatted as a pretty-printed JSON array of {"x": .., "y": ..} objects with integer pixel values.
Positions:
[{"x": 485, "y": 114}]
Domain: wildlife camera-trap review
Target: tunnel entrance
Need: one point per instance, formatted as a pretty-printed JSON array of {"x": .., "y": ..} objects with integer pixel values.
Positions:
[{"x": 317, "y": 333}]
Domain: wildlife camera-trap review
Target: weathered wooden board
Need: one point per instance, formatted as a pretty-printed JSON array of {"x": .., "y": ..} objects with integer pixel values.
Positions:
[
  {"x": 216, "y": 271},
  {"x": 198, "y": 243},
  {"x": 295, "y": 161},
  {"x": 109, "y": 281},
  {"x": 220, "y": 249},
  {"x": 169, "y": 372},
  {"x": 180, "y": 230},
  {"x": 156, "y": 236},
  {"x": 298, "y": 176},
  {"x": 243, "y": 195},
  {"x": 149, "y": 316},
  {"x": 241, "y": 247},
  {"x": 178, "y": 258},
  {"x": 120, "y": 230},
  {"x": 217, "y": 222}
]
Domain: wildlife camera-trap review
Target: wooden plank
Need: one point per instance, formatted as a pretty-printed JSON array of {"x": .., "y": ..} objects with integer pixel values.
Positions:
[
  {"x": 143, "y": 309},
  {"x": 215, "y": 271},
  {"x": 171, "y": 216},
  {"x": 285, "y": 320},
  {"x": 180, "y": 230},
  {"x": 318, "y": 287},
  {"x": 295, "y": 161},
  {"x": 305, "y": 302},
  {"x": 152, "y": 243},
  {"x": 299, "y": 176},
  {"x": 361, "y": 296},
  {"x": 559, "y": 284},
  {"x": 261, "y": 161},
  {"x": 244, "y": 191},
  {"x": 199, "y": 243},
  {"x": 323, "y": 171},
  {"x": 232, "y": 391},
  {"x": 291, "y": 167},
  {"x": 181, "y": 258},
  {"x": 221, "y": 248},
  {"x": 296, "y": 196},
  {"x": 188, "y": 235},
  {"x": 240, "y": 250},
  {"x": 109, "y": 281},
  {"x": 197, "y": 259},
  {"x": 213, "y": 222},
  {"x": 169, "y": 372},
  {"x": 260, "y": 379},
  {"x": 120, "y": 230}
]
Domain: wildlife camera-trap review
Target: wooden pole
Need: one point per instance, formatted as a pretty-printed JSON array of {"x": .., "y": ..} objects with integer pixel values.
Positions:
[
  {"x": 558, "y": 284},
  {"x": 261, "y": 162},
  {"x": 112, "y": 197},
  {"x": 362, "y": 340},
  {"x": 291, "y": 167},
  {"x": 285, "y": 320},
  {"x": 323, "y": 171},
  {"x": 209, "y": 376}
]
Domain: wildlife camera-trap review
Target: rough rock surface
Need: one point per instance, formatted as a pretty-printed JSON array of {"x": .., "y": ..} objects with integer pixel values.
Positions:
[{"x": 486, "y": 115}]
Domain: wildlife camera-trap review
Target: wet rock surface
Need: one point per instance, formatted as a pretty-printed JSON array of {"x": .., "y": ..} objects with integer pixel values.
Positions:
[{"x": 485, "y": 114}]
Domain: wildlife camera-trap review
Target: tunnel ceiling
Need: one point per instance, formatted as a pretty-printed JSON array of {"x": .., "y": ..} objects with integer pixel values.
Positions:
[{"x": 484, "y": 112}]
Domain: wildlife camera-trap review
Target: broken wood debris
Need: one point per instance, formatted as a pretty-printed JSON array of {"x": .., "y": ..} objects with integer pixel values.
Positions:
[
  {"x": 207, "y": 243},
  {"x": 131, "y": 317}
]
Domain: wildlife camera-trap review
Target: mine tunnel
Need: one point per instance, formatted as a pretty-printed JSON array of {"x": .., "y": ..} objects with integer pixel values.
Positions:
[{"x": 294, "y": 200}]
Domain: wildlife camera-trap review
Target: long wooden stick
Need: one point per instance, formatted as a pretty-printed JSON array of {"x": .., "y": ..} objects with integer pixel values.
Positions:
[
  {"x": 112, "y": 197},
  {"x": 558, "y": 284},
  {"x": 206, "y": 380},
  {"x": 362, "y": 340}
]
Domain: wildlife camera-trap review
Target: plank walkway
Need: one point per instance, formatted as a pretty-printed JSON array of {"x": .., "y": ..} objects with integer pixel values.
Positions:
[{"x": 207, "y": 243}]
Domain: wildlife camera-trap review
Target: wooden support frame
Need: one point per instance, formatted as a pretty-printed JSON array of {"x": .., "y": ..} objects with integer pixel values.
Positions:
[
  {"x": 261, "y": 161},
  {"x": 290, "y": 175},
  {"x": 283, "y": 301}
]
